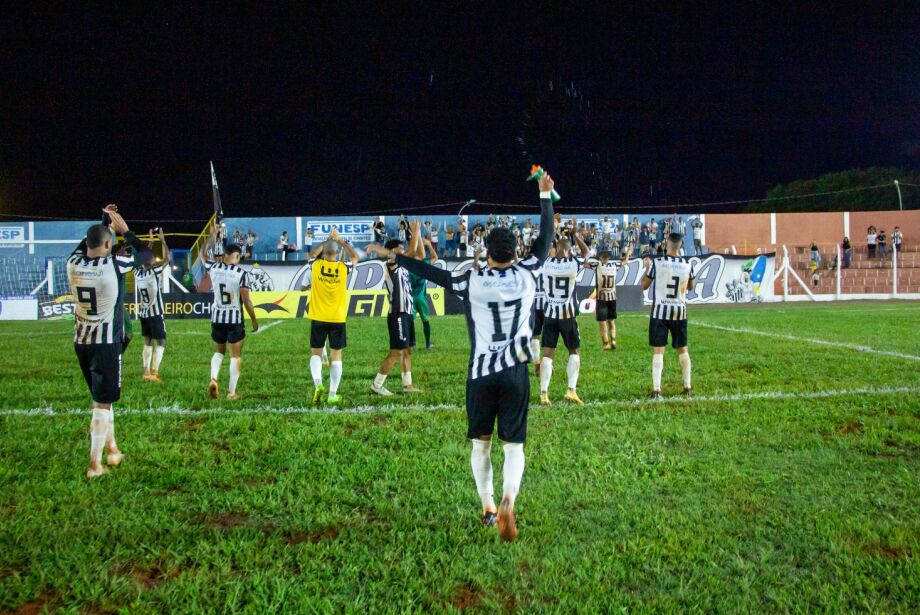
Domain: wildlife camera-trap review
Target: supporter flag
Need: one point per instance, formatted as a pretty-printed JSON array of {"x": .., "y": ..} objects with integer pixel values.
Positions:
[{"x": 218, "y": 210}]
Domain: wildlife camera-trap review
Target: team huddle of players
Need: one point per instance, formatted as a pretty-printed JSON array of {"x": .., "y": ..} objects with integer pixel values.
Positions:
[{"x": 516, "y": 309}]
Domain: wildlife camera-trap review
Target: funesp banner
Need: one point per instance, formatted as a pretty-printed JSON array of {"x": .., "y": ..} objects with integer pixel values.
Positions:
[
  {"x": 352, "y": 231},
  {"x": 12, "y": 236}
]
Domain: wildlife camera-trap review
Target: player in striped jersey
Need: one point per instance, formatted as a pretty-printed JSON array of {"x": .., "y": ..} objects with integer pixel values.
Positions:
[
  {"x": 670, "y": 277},
  {"x": 605, "y": 295},
  {"x": 147, "y": 281},
  {"x": 561, "y": 309},
  {"x": 231, "y": 291},
  {"x": 399, "y": 320},
  {"x": 539, "y": 316},
  {"x": 499, "y": 315},
  {"x": 94, "y": 274}
]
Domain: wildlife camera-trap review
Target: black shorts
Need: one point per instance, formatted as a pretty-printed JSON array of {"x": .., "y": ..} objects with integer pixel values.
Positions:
[
  {"x": 658, "y": 330},
  {"x": 566, "y": 327},
  {"x": 227, "y": 334},
  {"x": 334, "y": 331},
  {"x": 605, "y": 310},
  {"x": 101, "y": 365},
  {"x": 402, "y": 331},
  {"x": 539, "y": 316},
  {"x": 504, "y": 395},
  {"x": 154, "y": 327}
]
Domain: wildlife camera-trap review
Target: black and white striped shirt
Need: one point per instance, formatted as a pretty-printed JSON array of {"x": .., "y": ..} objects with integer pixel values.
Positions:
[
  {"x": 499, "y": 314},
  {"x": 670, "y": 276},
  {"x": 99, "y": 314},
  {"x": 399, "y": 289},
  {"x": 226, "y": 282},
  {"x": 605, "y": 280},
  {"x": 149, "y": 291},
  {"x": 559, "y": 277},
  {"x": 539, "y": 300}
]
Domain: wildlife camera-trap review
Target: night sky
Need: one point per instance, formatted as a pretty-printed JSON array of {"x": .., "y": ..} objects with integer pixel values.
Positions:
[{"x": 308, "y": 111}]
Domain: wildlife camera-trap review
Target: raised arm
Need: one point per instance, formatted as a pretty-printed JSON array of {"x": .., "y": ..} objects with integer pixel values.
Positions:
[
  {"x": 582, "y": 246},
  {"x": 416, "y": 249},
  {"x": 434, "y": 254},
  {"x": 167, "y": 255},
  {"x": 315, "y": 252},
  {"x": 544, "y": 239},
  {"x": 439, "y": 276}
]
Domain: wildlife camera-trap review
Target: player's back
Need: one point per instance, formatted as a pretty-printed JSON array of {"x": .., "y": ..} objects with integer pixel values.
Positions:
[
  {"x": 499, "y": 309},
  {"x": 328, "y": 294},
  {"x": 559, "y": 280},
  {"x": 226, "y": 282},
  {"x": 606, "y": 280},
  {"x": 98, "y": 313},
  {"x": 671, "y": 275},
  {"x": 149, "y": 291}
]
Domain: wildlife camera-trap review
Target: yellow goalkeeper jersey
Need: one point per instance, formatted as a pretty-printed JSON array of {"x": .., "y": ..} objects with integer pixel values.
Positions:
[{"x": 328, "y": 299}]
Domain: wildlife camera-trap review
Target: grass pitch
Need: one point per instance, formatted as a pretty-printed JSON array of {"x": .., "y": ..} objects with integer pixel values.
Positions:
[{"x": 790, "y": 483}]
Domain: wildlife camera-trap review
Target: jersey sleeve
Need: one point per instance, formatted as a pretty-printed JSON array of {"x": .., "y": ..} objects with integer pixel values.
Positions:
[
  {"x": 530, "y": 263},
  {"x": 125, "y": 264},
  {"x": 650, "y": 274},
  {"x": 208, "y": 263},
  {"x": 244, "y": 280},
  {"x": 692, "y": 272},
  {"x": 460, "y": 283}
]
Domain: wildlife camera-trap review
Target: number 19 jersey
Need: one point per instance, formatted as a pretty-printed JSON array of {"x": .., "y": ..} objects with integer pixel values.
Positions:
[
  {"x": 670, "y": 276},
  {"x": 226, "y": 282},
  {"x": 559, "y": 278}
]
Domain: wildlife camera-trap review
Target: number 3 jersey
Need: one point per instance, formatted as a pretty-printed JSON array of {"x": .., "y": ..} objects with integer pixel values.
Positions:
[
  {"x": 499, "y": 309},
  {"x": 670, "y": 276},
  {"x": 149, "y": 291},
  {"x": 559, "y": 276},
  {"x": 226, "y": 282}
]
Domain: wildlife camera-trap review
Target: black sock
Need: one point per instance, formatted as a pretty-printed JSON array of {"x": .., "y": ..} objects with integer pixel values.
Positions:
[
  {"x": 124, "y": 343},
  {"x": 426, "y": 326}
]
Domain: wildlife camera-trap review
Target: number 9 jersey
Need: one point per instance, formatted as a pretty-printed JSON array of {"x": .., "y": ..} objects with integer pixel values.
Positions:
[{"x": 670, "y": 276}]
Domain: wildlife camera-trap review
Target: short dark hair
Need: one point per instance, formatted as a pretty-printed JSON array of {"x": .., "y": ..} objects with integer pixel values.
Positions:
[
  {"x": 675, "y": 237},
  {"x": 96, "y": 236},
  {"x": 232, "y": 248},
  {"x": 605, "y": 254},
  {"x": 501, "y": 244},
  {"x": 392, "y": 243}
]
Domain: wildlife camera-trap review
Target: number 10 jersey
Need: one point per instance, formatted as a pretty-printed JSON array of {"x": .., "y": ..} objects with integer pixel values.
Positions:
[{"x": 499, "y": 313}]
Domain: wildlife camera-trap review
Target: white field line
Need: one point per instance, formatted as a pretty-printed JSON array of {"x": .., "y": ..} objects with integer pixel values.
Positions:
[
  {"x": 268, "y": 326},
  {"x": 370, "y": 409},
  {"x": 810, "y": 340}
]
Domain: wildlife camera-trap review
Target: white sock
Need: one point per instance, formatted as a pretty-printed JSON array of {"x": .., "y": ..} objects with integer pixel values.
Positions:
[
  {"x": 657, "y": 368},
  {"x": 157, "y": 357},
  {"x": 407, "y": 379},
  {"x": 481, "y": 462},
  {"x": 98, "y": 433},
  {"x": 535, "y": 348},
  {"x": 513, "y": 469},
  {"x": 236, "y": 366},
  {"x": 572, "y": 370},
  {"x": 685, "y": 367},
  {"x": 110, "y": 435},
  {"x": 335, "y": 376},
  {"x": 147, "y": 355},
  {"x": 316, "y": 370},
  {"x": 546, "y": 373},
  {"x": 216, "y": 362},
  {"x": 379, "y": 379}
]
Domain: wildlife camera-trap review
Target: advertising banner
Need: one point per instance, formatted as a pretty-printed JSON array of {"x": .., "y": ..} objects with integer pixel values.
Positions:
[
  {"x": 352, "y": 231},
  {"x": 12, "y": 236},
  {"x": 294, "y": 304},
  {"x": 18, "y": 308}
]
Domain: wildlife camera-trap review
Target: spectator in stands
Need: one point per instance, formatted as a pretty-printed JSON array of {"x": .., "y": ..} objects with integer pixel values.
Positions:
[
  {"x": 815, "y": 255},
  {"x": 847, "y": 250},
  {"x": 402, "y": 228},
  {"x": 251, "y": 239},
  {"x": 450, "y": 244},
  {"x": 643, "y": 241},
  {"x": 815, "y": 276},
  {"x": 285, "y": 245},
  {"x": 462, "y": 236},
  {"x": 871, "y": 236},
  {"x": 697, "y": 225},
  {"x": 434, "y": 232},
  {"x": 380, "y": 232},
  {"x": 882, "y": 240},
  {"x": 308, "y": 240},
  {"x": 896, "y": 237}
]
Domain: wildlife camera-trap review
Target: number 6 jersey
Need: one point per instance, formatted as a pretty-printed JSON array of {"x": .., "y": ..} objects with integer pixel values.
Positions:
[
  {"x": 226, "y": 282},
  {"x": 670, "y": 276}
]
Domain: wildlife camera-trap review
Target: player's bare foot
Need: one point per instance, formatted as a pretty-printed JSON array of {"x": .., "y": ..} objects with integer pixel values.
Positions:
[
  {"x": 155, "y": 377},
  {"x": 213, "y": 390},
  {"x": 572, "y": 396},
  {"x": 544, "y": 399},
  {"x": 606, "y": 346},
  {"x": 688, "y": 392},
  {"x": 114, "y": 459},
  {"x": 507, "y": 528},
  {"x": 655, "y": 394},
  {"x": 94, "y": 472},
  {"x": 489, "y": 518},
  {"x": 233, "y": 396},
  {"x": 381, "y": 390},
  {"x": 411, "y": 390},
  {"x": 146, "y": 375}
]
